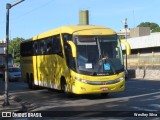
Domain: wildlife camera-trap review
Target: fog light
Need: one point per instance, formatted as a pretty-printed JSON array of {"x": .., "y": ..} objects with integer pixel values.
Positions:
[{"x": 82, "y": 88}]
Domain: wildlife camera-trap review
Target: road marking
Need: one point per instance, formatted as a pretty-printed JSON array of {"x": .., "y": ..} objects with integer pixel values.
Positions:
[
  {"x": 144, "y": 109},
  {"x": 42, "y": 108},
  {"x": 147, "y": 99},
  {"x": 155, "y": 105}
]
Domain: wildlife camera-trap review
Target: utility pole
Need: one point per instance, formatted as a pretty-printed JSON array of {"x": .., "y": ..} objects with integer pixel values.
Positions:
[
  {"x": 126, "y": 27},
  {"x": 8, "y": 7}
]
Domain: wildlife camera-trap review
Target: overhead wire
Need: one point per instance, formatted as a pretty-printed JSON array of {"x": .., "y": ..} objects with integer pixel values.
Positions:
[
  {"x": 32, "y": 10},
  {"x": 35, "y": 9}
]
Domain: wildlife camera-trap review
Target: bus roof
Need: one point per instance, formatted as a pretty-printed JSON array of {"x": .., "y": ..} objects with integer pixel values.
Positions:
[{"x": 77, "y": 29}]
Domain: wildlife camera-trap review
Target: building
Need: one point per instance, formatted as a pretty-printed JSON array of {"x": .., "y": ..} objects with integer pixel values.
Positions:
[
  {"x": 145, "y": 51},
  {"x": 139, "y": 31},
  {"x": 122, "y": 33},
  {"x": 134, "y": 32},
  {"x": 145, "y": 56},
  {"x": 2, "y": 46}
]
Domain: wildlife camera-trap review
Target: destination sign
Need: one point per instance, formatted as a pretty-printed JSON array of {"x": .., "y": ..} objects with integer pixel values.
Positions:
[{"x": 86, "y": 39}]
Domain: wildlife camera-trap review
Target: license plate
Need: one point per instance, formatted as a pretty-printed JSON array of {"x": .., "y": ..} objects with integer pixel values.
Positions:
[{"x": 104, "y": 88}]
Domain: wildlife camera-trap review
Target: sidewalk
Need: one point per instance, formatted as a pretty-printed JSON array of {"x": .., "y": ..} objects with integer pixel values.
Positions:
[{"x": 15, "y": 105}]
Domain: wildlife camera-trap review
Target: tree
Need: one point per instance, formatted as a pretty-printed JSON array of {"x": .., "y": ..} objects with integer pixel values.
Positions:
[
  {"x": 148, "y": 24},
  {"x": 14, "y": 49},
  {"x": 157, "y": 29}
]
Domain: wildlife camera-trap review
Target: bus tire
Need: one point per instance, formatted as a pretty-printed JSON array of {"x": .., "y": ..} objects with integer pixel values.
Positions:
[
  {"x": 63, "y": 85},
  {"x": 64, "y": 88},
  {"x": 31, "y": 82},
  {"x": 28, "y": 81}
]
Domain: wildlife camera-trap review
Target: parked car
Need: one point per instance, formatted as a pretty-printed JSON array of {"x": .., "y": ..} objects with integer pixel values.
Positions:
[{"x": 14, "y": 73}]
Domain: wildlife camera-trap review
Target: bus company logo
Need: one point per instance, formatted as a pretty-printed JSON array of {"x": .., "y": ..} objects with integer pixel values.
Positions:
[{"x": 6, "y": 114}]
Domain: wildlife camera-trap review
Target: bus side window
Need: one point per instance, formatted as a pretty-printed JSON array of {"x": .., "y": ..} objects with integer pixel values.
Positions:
[
  {"x": 27, "y": 49},
  {"x": 57, "y": 42},
  {"x": 42, "y": 48},
  {"x": 35, "y": 48},
  {"x": 49, "y": 46}
]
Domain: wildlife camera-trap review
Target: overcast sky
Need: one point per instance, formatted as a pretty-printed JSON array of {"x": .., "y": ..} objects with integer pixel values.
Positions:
[{"x": 32, "y": 17}]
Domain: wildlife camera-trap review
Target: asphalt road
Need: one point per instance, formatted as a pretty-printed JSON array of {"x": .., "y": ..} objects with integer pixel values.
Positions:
[{"x": 139, "y": 96}]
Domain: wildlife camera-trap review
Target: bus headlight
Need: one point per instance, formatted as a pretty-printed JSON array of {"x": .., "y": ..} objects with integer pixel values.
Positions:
[
  {"x": 81, "y": 80},
  {"x": 121, "y": 78},
  {"x": 107, "y": 82}
]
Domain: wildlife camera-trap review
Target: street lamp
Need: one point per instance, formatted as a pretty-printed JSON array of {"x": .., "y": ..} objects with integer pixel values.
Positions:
[{"x": 8, "y": 7}]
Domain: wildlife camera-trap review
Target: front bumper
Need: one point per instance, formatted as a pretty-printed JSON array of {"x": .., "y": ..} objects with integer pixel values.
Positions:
[{"x": 84, "y": 88}]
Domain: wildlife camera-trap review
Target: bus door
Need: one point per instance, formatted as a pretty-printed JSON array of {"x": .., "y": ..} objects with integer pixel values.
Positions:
[
  {"x": 50, "y": 62},
  {"x": 57, "y": 59},
  {"x": 40, "y": 75},
  {"x": 42, "y": 64}
]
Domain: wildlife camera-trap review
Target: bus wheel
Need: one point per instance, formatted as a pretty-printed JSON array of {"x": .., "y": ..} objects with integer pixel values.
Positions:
[
  {"x": 104, "y": 94},
  {"x": 63, "y": 85},
  {"x": 64, "y": 88},
  {"x": 31, "y": 82}
]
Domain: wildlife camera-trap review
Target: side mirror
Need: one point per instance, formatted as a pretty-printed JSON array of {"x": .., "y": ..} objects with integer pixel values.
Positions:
[
  {"x": 127, "y": 46},
  {"x": 73, "y": 48}
]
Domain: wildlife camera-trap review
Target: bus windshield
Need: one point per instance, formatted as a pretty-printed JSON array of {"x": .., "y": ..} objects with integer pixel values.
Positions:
[{"x": 99, "y": 55}]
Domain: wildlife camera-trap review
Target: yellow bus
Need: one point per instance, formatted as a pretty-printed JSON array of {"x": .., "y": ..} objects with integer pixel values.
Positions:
[{"x": 82, "y": 59}]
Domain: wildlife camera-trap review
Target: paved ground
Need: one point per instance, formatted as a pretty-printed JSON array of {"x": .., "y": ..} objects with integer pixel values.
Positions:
[
  {"x": 14, "y": 103},
  {"x": 140, "y": 95}
]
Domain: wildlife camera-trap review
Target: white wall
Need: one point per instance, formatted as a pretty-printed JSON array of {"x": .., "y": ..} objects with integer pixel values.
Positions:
[{"x": 152, "y": 40}]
